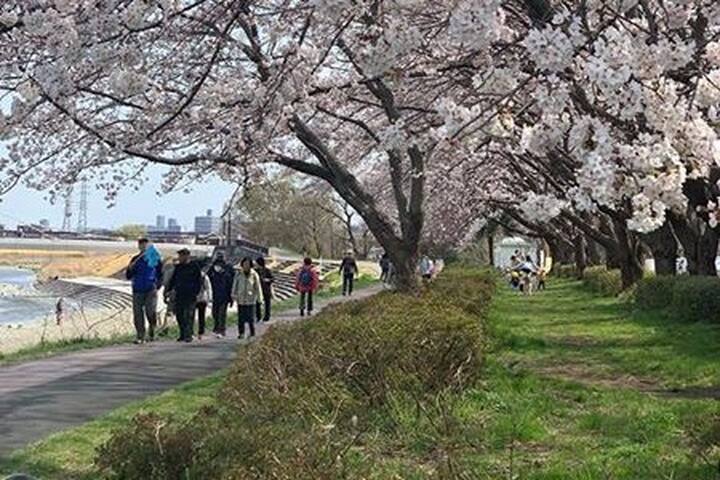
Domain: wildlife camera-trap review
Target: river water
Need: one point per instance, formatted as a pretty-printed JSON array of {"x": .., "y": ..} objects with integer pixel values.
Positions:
[{"x": 19, "y": 302}]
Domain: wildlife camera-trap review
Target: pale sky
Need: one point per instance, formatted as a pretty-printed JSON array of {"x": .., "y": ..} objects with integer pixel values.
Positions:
[{"x": 28, "y": 206}]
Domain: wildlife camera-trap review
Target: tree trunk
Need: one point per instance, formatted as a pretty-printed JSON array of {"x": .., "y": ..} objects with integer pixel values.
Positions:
[
  {"x": 491, "y": 249},
  {"x": 664, "y": 248},
  {"x": 405, "y": 268},
  {"x": 627, "y": 254},
  {"x": 699, "y": 242},
  {"x": 594, "y": 256},
  {"x": 580, "y": 258},
  {"x": 403, "y": 248}
]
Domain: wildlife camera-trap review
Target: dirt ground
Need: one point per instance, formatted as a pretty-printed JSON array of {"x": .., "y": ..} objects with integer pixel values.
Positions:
[{"x": 66, "y": 264}]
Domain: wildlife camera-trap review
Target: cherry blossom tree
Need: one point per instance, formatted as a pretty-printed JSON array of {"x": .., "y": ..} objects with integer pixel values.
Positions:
[
  {"x": 617, "y": 124},
  {"x": 334, "y": 89}
]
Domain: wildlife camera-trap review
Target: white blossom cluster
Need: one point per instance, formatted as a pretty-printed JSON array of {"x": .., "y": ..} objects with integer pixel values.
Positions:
[{"x": 599, "y": 108}]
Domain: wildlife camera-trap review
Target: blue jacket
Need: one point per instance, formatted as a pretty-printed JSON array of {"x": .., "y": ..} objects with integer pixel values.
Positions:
[{"x": 144, "y": 278}]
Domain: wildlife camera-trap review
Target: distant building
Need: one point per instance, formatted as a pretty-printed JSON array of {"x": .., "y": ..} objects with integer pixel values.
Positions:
[
  {"x": 173, "y": 226},
  {"x": 45, "y": 224},
  {"x": 207, "y": 224},
  {"x": 160, "y": 222}
]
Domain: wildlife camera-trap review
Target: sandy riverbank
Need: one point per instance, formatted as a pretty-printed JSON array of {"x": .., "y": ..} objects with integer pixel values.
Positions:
[{"x": 65, "y": 263}]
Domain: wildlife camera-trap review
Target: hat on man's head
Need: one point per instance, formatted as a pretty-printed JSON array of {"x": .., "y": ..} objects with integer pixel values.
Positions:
[{"x": 183, "y": 251}]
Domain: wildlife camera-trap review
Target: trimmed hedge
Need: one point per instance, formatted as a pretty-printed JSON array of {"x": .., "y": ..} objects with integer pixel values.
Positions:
[
  {"x": 603, "y": 281},
  {"x": 692, "y": 298},
  {"x": 566, "y": 271},
  {"x": 598, "y": 278},
  {"x": 328, "y": 397}
]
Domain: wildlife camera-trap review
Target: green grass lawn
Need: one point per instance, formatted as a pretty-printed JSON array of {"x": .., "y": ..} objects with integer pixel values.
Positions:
[
  {"x": 567, "y": 390},
  {"x": 576, "y": 386},
  {"x": 572, "y": 328}
]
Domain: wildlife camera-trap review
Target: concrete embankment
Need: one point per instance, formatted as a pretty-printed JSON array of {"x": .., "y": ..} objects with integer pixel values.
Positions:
[{"x": 90, "y": 308}]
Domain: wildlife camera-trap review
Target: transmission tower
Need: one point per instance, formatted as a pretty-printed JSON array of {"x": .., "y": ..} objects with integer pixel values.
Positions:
[
  {"x": 67, "y": 215},
  {"x": 82, "y": 211}
]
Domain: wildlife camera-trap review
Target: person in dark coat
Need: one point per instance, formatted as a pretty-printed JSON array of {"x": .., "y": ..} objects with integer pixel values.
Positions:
[
  {"x": 185, "y": 283},
  {"x": 348, "y": 270},
  {"x": 384, "y": 268},
  {"x": 145, "y": 272},
  {"x": 221, "y": 277},
  {"x": 266, "y": 282}
]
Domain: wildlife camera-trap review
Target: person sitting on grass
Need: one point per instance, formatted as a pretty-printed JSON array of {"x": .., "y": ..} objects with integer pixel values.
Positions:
[{"x": 306, "y": 283}]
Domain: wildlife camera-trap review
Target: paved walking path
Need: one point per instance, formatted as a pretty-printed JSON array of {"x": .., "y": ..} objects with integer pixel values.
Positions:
[{"x": 46, "y": 396}]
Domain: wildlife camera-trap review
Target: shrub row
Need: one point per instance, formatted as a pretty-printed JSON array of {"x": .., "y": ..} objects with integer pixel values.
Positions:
[
  {"x": 603, "y": 281},
  {"x": 598, "y": 278},
  {"x": 691, "y": 298},
  {"x": 329, "y": 397}
]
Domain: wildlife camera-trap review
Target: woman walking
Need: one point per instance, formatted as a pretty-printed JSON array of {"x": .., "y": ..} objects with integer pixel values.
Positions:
[
  {"x": 246, "y": 292},
  {"x": 201, "y": 305},
  {"x": 306, "y": 284}
]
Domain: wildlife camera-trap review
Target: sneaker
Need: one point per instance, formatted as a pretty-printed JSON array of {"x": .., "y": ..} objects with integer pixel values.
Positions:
[
  {"x": 188, "y": 340},
  {"x": 180, "y": 340},
  {"x": 139, "y": 341},
  {"x": 302, "y": 313},
  {"x": 199, "y": 337}
]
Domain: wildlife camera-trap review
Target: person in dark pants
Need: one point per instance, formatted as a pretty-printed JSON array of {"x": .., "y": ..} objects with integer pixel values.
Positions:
[
  {"x": 348, "y": 270},
  {"x": 185, "y": 284},
  {"x": 266, "y": 281},
  {"x": 145, "y": 272},
  {"x": 247, "y": 293},
  {"x": 203, "y": 299},
  {"x": 384, "y": 268},
  {"x": 221, "y": 277},
  {"x": 306, "y": 283}
]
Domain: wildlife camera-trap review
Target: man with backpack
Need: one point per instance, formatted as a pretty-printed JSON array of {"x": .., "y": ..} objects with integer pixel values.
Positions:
[
  {"x": 306, "y": 284},
  {"x": 348, "y": 270}
]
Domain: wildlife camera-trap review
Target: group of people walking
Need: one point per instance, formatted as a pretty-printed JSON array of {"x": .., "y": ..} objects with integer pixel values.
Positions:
[{"x": 191, "y": 286}]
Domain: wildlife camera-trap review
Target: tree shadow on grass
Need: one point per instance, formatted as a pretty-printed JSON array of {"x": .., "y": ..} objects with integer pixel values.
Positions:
[{"x": 568, "y": 323}]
